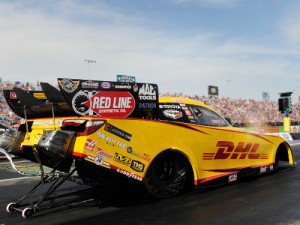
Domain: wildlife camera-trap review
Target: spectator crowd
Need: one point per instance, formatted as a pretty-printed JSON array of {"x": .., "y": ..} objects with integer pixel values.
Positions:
[
  {"x": 242, "y": 112},
  {"x": 7, "y": 117},
  {"x": 248, "y": 112}
]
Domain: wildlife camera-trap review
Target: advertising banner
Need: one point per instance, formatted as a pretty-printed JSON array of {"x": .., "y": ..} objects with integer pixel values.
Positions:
[{"x": 110, "y": 99}]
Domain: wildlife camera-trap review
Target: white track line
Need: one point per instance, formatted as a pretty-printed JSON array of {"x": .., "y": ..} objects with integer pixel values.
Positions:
[{"x": 17, "y": 180}]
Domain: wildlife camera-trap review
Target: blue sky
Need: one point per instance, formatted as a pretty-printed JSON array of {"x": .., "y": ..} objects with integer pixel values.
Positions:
[{"x": 245, "y": 47}]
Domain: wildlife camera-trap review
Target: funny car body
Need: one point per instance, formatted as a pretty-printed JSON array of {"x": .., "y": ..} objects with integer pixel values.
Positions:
[{"x": 126, "y": 129}]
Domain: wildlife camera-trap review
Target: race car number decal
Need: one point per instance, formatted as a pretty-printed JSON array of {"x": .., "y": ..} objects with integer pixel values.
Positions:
[{"x": 227, "y": 150}]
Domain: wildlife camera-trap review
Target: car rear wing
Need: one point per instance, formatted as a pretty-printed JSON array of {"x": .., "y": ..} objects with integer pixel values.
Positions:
[
  {"x": 105, "y": 99},
  {"x": 37, "y": 104},
  {"x": 21, "y": 102}
]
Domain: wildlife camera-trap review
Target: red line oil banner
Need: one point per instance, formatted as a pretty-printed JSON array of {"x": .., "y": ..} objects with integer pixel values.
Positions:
[{"x": 110, "y": 99}]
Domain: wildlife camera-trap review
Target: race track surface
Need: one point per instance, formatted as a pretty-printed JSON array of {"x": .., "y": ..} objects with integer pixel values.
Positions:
[{"x": 271, "y": 199}]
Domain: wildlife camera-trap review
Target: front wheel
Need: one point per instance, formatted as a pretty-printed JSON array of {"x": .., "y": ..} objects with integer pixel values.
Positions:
[{"x": 167, "y": 175}]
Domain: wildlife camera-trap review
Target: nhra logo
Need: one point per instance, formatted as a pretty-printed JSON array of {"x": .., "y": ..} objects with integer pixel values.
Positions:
[
  {"x": 89, "y": 84},
  {"x": 227, "y": 150},
  {"x": 147, "y": 92}
]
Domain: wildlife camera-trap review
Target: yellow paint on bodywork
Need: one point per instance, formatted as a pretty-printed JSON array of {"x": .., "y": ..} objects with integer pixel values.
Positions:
[{"x": 203, "y": 146}]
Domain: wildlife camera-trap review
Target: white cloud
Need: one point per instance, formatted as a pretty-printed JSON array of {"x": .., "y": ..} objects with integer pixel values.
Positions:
[
  {"x": 289, "y": 24},
  {"x": 37, "y": 44}
]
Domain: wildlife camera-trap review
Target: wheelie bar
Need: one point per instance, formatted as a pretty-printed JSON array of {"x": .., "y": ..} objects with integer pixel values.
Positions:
[
  {"x": 54, "y": 179},
  {"x": 28, "y": 209}
]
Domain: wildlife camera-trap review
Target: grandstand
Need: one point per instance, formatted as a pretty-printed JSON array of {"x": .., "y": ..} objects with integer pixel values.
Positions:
[{"x": 242, "y": 112}]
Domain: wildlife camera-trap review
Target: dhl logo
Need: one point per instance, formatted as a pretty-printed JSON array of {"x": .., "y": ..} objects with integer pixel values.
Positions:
[{"x": 227, "y": 150}]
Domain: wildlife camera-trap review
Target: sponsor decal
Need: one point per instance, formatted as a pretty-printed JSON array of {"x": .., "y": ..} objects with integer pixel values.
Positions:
[
  {"x": 105, "y": 164},
  {"x": 137, "y": 166},
  {"x": 118, "y": 132},
  {"x": 243, "y": 150},
  {"x": 90, "y": 144},
  {"x": 79, "y": 98},
  {"x": 100, "y": 152},
  {"x": 169, "y": 107},
  {"x": 135, "y": 88},
  {"x": 105, "y": 85},
  {"x": 123, "y": 86},
  {"x": 264, "y": 169},
  {"x": 40, "y": 95},
  {"x": 142, "y": 156},
  {"x": 90, "y": 158},
  {"x": 100, "y": 160},
  {"x": 188, "y": 112},
  {"x": 12, "y": 95},
  {"x": 43, "y": 123},
  {"x": 147, "y": 92},
  {"x": 122, "y": 159},
  {"x": 110, "y": 140},
  {"x": 232, "y": 177},
  {"x": 146, "y": 105},
  {"x": 172, "y": 113},
  {"x": 111, "y": 103},
  {"x": 89, "y": 84},
  {"x": 129, "y": 174},
  {"x": 110, "y": 99},
  {"x": 68, "y": 85}
]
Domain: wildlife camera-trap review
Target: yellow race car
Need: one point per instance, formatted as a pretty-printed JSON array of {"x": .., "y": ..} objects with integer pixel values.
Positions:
[{"x": 164, "y": 143}]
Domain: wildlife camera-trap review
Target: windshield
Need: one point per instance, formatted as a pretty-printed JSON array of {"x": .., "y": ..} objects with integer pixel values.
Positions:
[
  {"x": 207, "y": 117},
  {"x": 190, "y": 114}
]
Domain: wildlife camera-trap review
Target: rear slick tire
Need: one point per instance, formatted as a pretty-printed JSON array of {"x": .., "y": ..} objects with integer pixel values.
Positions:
[{"x": 167, "y": 175}]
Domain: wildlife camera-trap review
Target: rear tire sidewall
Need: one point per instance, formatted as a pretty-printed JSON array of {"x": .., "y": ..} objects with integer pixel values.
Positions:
[{"x": 167, "y": 175}]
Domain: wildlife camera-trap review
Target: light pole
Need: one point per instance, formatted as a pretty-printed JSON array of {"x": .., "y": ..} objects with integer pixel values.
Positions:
[
  {"x": 227, "y": 82},
  {"x": 89, "y": 61}
]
